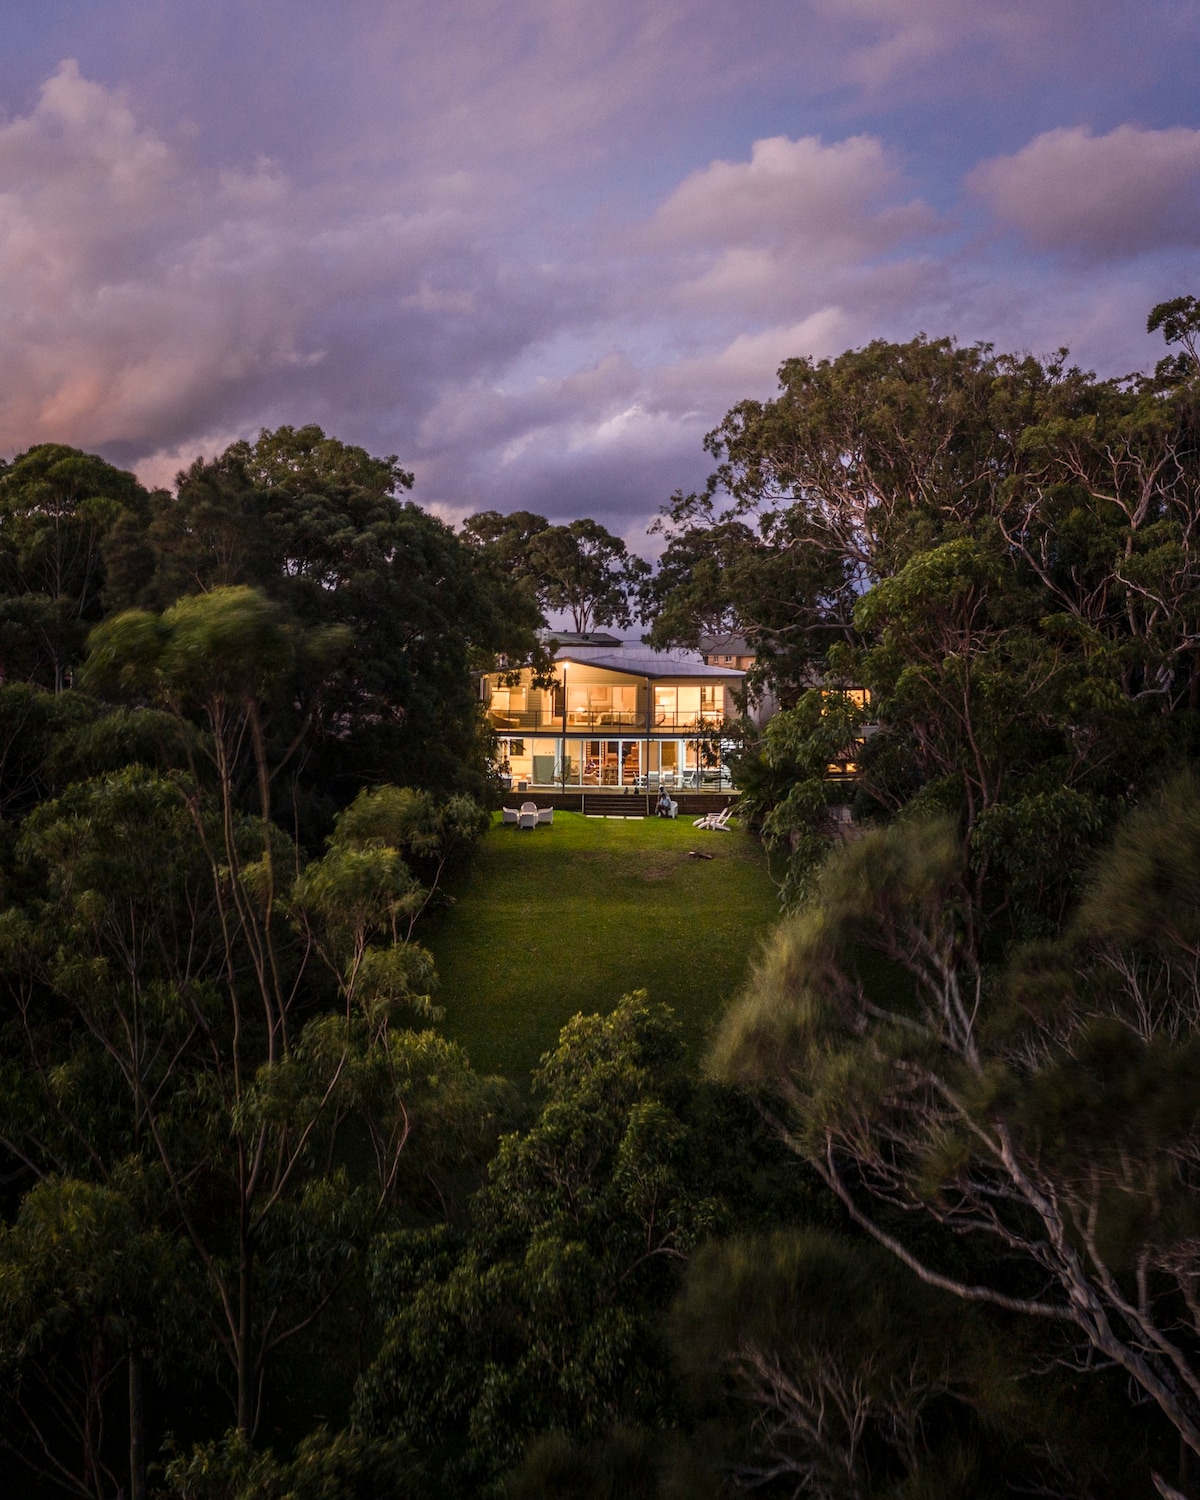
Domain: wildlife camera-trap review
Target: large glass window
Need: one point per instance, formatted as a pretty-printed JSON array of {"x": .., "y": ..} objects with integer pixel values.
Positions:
[
  {"x": 577, "y": 705},
  {"x": 689, "y": 704},
  {"x": 598, "y": 703},
  {"x": 516, "y": 763},
  {"x": 669, "y": 754}
]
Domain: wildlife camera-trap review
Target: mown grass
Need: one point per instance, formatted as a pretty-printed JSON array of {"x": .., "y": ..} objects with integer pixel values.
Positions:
[{"x": 569, "y": 918}]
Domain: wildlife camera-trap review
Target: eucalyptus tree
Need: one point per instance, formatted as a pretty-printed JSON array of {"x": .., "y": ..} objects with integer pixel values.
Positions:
[
  {"x": 323, "y": 528},
  {"x": 171, "y": 959},
  {"x": 58, "y": 509},
  {"x": 1048, "y": 1110}
]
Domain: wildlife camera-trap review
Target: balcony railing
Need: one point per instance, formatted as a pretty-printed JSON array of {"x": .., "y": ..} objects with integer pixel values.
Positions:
[{"x": 581, "y": 720}]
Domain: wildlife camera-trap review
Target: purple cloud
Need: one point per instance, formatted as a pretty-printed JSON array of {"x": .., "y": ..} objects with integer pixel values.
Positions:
[
  {"x": 1099, "y": 197},
  {"x": 538, "y": 249}
]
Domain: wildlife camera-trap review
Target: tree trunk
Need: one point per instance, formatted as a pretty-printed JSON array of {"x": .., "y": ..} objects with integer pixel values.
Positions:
[
  {"x": 137, "y": 1436},
  {"x": 245, "y": 1364}
]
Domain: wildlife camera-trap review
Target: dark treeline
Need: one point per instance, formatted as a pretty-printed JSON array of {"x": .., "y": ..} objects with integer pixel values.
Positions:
[{"x": 926, "y": 1225}]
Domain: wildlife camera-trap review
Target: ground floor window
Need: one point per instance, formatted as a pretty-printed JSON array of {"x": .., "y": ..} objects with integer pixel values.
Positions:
[
  {"x": 529, "y": 762},
  {"x": 644, "y": 765}
]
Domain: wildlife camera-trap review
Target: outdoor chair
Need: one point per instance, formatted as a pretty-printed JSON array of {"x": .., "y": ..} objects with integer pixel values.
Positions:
[
  {"x": 527, "y": 819},
  {"x": 545, "y": 815},
  {"x": 509, "y": 815},
  {"x": 715, "y": 822}
]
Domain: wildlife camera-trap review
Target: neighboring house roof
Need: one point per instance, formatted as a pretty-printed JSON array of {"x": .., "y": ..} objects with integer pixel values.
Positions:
[
  {"x": 729, "y": 644},
  {"x": 574, "y": 638},
  {"x": 642, "y": 662}
]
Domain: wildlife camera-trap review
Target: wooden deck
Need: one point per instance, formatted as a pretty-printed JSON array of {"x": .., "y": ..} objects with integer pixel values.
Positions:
[{"x": 621, "y": 802}]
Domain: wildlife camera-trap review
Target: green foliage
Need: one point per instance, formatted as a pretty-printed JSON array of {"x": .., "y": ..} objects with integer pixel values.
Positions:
[
  {"x": 326, "y": 1466},
  {"x": 787, "y": 791},
  {"x": 580, "y": 569},
  {"x": 36, "y": 727},
  {"x": 544, "y": 1316},
  {"x": 1002, "y": 551},
  {"x": 229, "y": 645},
  {"x": 841, "y": 1373},
  {"x": 1050, "y": 1107},
  {"x": 59, "y": 508},
  {"x": 631, "y": 1464},
  {"x": 85, "y": 1288}
]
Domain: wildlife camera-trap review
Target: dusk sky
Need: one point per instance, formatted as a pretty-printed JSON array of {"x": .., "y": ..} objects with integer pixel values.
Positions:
[{"x": 537, "y": 248}]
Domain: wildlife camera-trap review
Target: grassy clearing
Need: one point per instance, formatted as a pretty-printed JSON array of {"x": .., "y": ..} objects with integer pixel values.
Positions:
[{"x": 569, "y": 918}]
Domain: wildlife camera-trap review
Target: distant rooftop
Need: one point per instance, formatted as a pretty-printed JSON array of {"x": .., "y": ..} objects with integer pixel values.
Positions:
[
  {"x": 576, "y": 638},
  {"x": 729, "y": 644}
]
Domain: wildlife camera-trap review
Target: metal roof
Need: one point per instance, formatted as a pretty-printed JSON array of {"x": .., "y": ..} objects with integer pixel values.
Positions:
[{"x": 642, "y": 662}]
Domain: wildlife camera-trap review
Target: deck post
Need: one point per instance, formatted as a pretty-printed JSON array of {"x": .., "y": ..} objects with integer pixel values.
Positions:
[
  {"x": 646, "y": 742},
  {"x": 562, "y": 747}
]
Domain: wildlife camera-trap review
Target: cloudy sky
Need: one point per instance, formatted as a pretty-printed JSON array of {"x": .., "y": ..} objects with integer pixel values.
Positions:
[{"x": 538, "y": 247}]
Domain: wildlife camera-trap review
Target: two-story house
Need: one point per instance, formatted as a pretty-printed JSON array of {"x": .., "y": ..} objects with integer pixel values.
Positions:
[{"x": 615, "y": 714}]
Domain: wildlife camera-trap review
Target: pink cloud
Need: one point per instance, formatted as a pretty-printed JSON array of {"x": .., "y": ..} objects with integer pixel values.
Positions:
[
  {"x": 827, "y": 198},
  {"x": 1098, "y": 197},
  {"x": 763, "y": 229}
]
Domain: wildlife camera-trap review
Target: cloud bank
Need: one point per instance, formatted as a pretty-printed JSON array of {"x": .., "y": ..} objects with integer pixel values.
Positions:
[{"x": 538, "y": 250}]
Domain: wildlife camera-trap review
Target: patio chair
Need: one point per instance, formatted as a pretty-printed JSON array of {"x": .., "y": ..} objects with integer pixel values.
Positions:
[
  {"x": 529, "y": 807},
  {"x": 715, "y": 822},
  {"x": 509, "y": 815},
  {"x": 545, "y": 815},
  {"x": 527, "y": 819}
]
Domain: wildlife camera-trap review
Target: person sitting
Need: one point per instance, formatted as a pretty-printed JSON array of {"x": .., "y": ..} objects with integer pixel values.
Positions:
[{"x": 664, "y": 807}]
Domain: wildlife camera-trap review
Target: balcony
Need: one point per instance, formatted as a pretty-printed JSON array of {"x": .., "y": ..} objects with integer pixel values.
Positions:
[{"x": 531, "y": 720}]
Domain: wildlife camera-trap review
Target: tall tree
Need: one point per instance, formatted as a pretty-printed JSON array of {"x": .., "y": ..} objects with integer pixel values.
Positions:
[
  {"x": 178, "y": 933},
  {"x": 1050, "y": 1109},
  {"x": 320, "y": 526},
  {"x": 587, "y": 573},
  {"x": 58, "y": 506}
]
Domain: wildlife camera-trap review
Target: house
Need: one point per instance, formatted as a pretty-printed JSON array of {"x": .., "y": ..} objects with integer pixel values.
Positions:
[
  {"x": 613, "y": 714},
  {"x": 733, "y": 650}
]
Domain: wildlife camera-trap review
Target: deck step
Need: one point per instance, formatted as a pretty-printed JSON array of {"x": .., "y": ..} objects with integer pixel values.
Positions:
[{"x": 616, "y": 804}]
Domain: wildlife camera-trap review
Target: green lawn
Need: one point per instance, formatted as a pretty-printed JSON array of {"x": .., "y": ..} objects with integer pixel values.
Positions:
[{"x": 569, "y": 918}]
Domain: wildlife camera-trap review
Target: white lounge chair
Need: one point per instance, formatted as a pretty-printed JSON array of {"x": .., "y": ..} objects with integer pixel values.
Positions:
[
  {"x": 527, "y": 819},
  {"x": 545, "y": 815},
  {"x": 509, "y": 815},
  {"x": 716, "y": 822}
]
